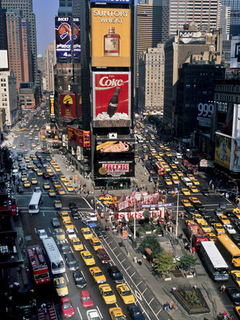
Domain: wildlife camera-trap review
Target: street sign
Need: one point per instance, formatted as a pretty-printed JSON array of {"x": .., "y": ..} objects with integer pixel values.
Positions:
[{"x": 156, "y": 205}]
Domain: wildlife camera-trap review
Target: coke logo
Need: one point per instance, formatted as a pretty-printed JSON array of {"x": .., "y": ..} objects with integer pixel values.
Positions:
[{"x": 106, "y": 82}]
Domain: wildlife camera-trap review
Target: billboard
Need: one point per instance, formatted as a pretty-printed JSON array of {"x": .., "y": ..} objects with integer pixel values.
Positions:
[
  {"x": 111, "y": 99},
  {"x": 205, "y": 111},
  {"x": 192, "y": 37},
  {"x": 235, "y": 163},
  {"x": 115, "y": 146},
  {"x": 223, "y": 146},
  {"x": 111, "y": 37},
  {"x": 52, "y": 105},
  {"x": 76, "y": 38},
  {"x": 68, "y": 105},
  {"x": 63, "y": 37},
  {"x": 115, "y": 168},
  {"x": 235, "y": 52},
  {"x": 79, "y": 137},
  {"x": 112, "y": 1}
]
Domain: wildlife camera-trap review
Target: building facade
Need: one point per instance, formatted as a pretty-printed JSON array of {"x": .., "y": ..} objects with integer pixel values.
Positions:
[
  {"x": 50, "y": 61},
  {"x": 151, "y": 79},
  {"x": 235, "y": 16},
  {"x": 27, "y": 99}
]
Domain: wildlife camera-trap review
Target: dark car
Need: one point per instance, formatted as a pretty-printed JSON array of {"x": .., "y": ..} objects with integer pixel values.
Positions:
[
  {"x": 79, "y": 279},
  {"x": 72, "y": 205},
  {"x": 64, "y": 248},
  {"x": 205, "y": 192},
  {"x": 75, "y": 215},
  {"x": 210, "y": 220},
  {"x": 55, "y": 222},
  {"x": 134, "y": 312},
  {"x": 103, "y": 256},
  {"x": 199, "y": 206},
  {"x": 236, "y": 239},
  {"x": 234, "y": 295},
  {"x": 115, "y": 274},
  {"x": 20, "y": 189},
  {"x": 223, "y": 205},
  {"x": 101, "y": 233},
  {"x": 205, "y": 214},
  {"x": 54, "y": 178},
  {"x": 46, "y": 175},
  {"x": 71, "y": 261},
  {"x": 190, "y": 210}
]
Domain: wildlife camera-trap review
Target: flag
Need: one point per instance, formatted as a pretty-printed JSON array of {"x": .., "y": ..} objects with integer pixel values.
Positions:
[{"x": 174, "y": 193}]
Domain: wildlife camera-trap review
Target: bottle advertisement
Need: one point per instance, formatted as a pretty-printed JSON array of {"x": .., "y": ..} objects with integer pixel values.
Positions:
[
  {"x": 111, "y": 37},
  {"x": 111, "y": 99}
]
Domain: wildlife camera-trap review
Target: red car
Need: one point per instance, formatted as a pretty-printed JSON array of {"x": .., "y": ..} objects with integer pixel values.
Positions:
[
  {"x": 86, "y": 299},
  {"x": 67, "y": 307}
]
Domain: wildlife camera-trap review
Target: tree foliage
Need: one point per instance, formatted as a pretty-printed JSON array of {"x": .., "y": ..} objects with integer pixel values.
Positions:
[
  {"x": 151, "y": 243},
  {"x": 163, "y": 263},
  {"x": 188, "y": 260}
]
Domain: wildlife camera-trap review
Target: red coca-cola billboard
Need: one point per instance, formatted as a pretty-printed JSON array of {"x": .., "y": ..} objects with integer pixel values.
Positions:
[{"x": 111, "y": 99}]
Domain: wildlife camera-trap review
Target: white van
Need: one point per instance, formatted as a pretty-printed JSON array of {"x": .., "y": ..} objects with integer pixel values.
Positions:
[
  {"x": 179, "y": 155},
  {"x": 92, "y": 216}
]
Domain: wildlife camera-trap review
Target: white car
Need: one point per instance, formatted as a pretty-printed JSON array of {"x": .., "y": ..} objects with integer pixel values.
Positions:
[
  {"x": 93, "y": 315},
  {"x": 42, "y": 234},
  {"x": 92, "y": 216},
  {"x": 71, "y": 233},
  {"x": 230, "y": 229}
]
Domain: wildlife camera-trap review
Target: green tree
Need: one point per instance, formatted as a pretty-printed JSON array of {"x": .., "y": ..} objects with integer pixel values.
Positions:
[
  {"x": 188, "y": 260},
  {"x": 151, "y": 243},
  {"x": 163, "y": 263}
]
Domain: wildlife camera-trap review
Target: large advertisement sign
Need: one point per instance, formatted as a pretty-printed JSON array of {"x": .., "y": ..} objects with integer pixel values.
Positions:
[
  {"x": 79, "y": 137},
  {"x": 112, "y": 1},
  {"x": 223, "y": 146},
  {"x": 192, "y": 37},
  {"x": 63, "y": 36},
  {"x": 111, "y": 37},
  {"x": 111, "y": 99},
  {"x": 235, "y": 163},
  {"x": 76, "y": 38},
  {"x": 68, "y": 105},
  {"x": 115, "y": 168},
  {"x": 154, "y": 214},
  {"x": 115, "y": 146},
  {"x": 52, "y": 106},
  {"x": 205, "y": 111},
  {"x": 235, "y": 52}
]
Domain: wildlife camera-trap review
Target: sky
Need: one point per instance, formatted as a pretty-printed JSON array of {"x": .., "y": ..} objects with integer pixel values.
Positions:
[{"x": 45, "y": 12}]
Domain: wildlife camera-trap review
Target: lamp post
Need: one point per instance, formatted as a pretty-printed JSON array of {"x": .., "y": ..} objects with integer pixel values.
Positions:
[
  {"x": 134, "y": 219},
  {"x": 176, "y": 232}
]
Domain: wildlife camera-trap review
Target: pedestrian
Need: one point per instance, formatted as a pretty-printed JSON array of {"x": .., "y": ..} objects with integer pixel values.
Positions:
[
  {"x": 167, "y": 306},
  {"x": 193, "y": 250},
  {"x": 135, "y": 259},
  {"x": 171, "y": 305},
  {"x": 139, "y": 262},
  {"x": 175, "y": 307},
  {"x": 224, "y": 315},
  {"x": 222, "y": 288}
]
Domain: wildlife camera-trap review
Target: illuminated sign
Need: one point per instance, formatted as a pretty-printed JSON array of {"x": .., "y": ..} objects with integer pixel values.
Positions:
[
  {"x": 79, "y": 137},
  {"x": 63, "y": 37}
]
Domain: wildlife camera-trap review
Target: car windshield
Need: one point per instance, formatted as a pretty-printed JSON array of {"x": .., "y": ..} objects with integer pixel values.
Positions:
[
  {"x": 98, "y": 274},
  {"x": 80, "y": 278},
  {"x": 88, "y": 257},
  {"x": 67, "y": 306},
  {"x": 60, "y": 285},
  {"x": 86, "y": 298},
  {"x": 97, "y": 244},
  {"x": 126, "y": 293},
  {"x": 108, "y": 293}
]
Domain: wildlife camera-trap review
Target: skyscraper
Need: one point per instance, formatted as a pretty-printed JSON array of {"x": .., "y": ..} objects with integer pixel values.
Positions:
[
  {"x": 65, "y": 8},
  {"x": 3, "y": 34},
  {"x": 149, "y": 29},
  {"x": 235, "y": 15},
  {"x": 27, "y": 12},
  {"x": 50, "y": 61},
  {"x": 205, "y": 13}
]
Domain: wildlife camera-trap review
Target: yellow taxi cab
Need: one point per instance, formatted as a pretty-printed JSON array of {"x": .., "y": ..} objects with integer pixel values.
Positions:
[
  {"x": 60, "y": 191},
  {"x": 53, "y": 163},
  {"x": 167, "y": 168},
  {"x": 198, "y": 218},
  {"x": 236, "y": 276},
  {"x": 125, "y": 293},
  {"x": 57, "y": 204},
  {"x": 237, "y": 310},
  {"x": 24, "y": 177},
  {"x": 218, "y": 227},
  {"x": 191, "y": 177},
  {"x": 27, "y": 160},
  {"x": 173, "y": 166},
  {"x": 97, "y": 275},
  {"x": 117, "y": 313},
  {"x": 211, "y": 236},
  {"x": 35, "y": 169},
  {"x": 34, "y": 181},
  {"x": 35, "y": 126},
  {"x": 51, "y": 193},
  {"x": 39, "y": 172},
  {"x": 38, "y": 148},
  {"x": 224, "y": 219},
  {"x": 66, "y": 182},
  {"x": 33, "y": 145},
  {"x": 87, "y": 258},
  {"x": 194, "y": 200},
  {"x": 179, "y": 173},
  {"x": 32, "y": 155},
  {"x": 168, "y": 182},
  {"x": 87, "y": 234},
  {"x": 175, "y": 180},
  {"x": 69, "y": 187},
  {"x": 95, "y": 243},
  {"x": 46, "y": 186},
  {"x": 205, "y": 227},
  {"x": 60, "y": 286},
  {"x": 27, "y": 184},
  {"x": 193, "y": 189},
  {"x": 59, "y": 234},
  {"x": 68, "y": 224},
  {"x": 29, "y": 166},
  {"x": 57, "y": 184},
  {"x": 107, "y": 196},
  {"x": 186, "y": 203},
  {"x": 64, "y": 215},
  {"x": 63, "y": 178},
  {"x": 77, "y": 244},
  {"x": 186, "y": 191},
  {"x": 107, "y": 293},
  {"x": 57, "y": 168},
  {"x": 236, "y": 212},
  {"x": 195, "y": 182}
]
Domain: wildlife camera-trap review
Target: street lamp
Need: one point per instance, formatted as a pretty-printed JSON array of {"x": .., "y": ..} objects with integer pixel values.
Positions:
[{"x": 176, "y": 232}]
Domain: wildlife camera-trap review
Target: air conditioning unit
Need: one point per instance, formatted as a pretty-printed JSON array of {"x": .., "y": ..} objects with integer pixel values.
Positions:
[{"x": 112, "y": 135}]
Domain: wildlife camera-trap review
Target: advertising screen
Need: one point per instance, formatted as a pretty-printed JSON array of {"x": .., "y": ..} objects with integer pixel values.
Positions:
[
  {"x": 192, "y": 37},
  {"x": 68, "y": 105},
  {"x": 111, "y": 99},
  {"x": 112, "y": 1},
  {"x": 79, "y": 137},
  {"x": 222, "y": 150},
  {"x": 205, "y": 111},
  {"x": 115, "y": 146},
  {"x": 52, "y": 105},
  {"x": 111, "y": 37},
  {"x": 76, "y": 38},
  {"x": 63, "y": 37},
  {"x": 115, "y": 168},
  {"x": 235, "y": 163},
  {"x": 235, "y": 52}
]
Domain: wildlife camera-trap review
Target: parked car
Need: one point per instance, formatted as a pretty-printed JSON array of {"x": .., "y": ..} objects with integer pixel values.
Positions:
[{"x": 55, "y": 222}]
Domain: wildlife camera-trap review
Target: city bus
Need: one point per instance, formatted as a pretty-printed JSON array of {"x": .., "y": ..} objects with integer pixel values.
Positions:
[
  {"x": 56, "y": 261},
  {"x": 229, "y": 249},
  {"x": 213, "y": 261},
  {"x": 38, "y": 264},
  {"x": 35, "y": 201}
]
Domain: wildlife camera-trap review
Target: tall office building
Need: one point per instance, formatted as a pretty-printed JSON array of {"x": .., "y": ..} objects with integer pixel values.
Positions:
[
  {"x": 224, "y": 21},
  {"x": 3, "y": 33},
  {"x": 65, "y": 8},
  {"x": 50, "y": 61},
  {"x": 27, "y": 12},
  {"x": 149, "y": 29},
  {"x": 205, "y": 13},
  {"x": 235, "y": 15}
]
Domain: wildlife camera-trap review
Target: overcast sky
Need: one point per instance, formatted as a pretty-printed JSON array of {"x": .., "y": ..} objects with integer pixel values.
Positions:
[{"x": 45, "y": 11}]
